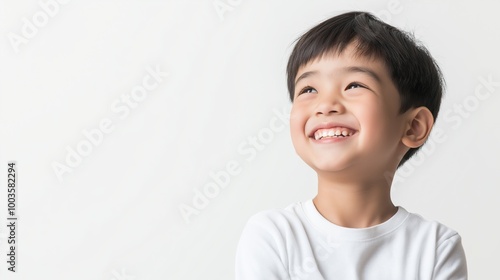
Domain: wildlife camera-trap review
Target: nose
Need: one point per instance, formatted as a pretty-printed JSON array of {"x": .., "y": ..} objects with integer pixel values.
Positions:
[{"x": 330, "y": 103}]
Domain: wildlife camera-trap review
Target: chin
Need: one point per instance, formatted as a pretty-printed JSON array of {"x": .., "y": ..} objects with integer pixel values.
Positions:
[
  {"x": 328, "y": 166},
  {"x": 328, "y": 169}
]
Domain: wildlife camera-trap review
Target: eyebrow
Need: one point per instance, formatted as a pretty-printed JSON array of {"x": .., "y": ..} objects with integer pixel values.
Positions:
[
  {"x": 306, "y": 75},
  {"x": 350, "y": 69},
  {"x": 365, "y": 70}
]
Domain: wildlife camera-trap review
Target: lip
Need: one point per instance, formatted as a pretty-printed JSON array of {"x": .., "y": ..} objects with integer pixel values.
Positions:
[
  {"x": 326, "y": 125},
  {"x": 331, "y": 139}
]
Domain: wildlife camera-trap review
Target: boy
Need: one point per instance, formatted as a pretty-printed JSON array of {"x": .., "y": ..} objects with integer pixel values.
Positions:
[{"x": 364, "y": 99}]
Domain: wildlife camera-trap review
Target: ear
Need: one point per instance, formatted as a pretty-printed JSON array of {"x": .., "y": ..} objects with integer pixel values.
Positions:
[{"x": 420, "y": 122}]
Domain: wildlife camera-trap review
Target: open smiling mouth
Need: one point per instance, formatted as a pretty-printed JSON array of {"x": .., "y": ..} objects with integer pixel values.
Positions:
[{"x": 336, "y": 132}]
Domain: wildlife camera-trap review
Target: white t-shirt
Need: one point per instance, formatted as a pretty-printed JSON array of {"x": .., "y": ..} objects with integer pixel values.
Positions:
[{"x": 299, "y": 243}]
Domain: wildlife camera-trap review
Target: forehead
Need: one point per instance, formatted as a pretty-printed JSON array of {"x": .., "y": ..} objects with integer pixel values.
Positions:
[{"x": 348, "y": 60}]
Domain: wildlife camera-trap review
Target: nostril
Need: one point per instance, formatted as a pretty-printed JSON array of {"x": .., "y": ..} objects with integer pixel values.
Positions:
[{"x": 330, "y": 112}]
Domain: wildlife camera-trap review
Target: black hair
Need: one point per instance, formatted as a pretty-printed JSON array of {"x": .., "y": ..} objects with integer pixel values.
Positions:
[{"x": 413, "y": 70}]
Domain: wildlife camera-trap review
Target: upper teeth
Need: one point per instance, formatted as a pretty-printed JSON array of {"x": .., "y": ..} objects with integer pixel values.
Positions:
[{"x": 333, "y": 132}]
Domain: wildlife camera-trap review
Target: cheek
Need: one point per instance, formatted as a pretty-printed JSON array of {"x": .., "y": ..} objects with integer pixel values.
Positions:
[
  {"x": 367, "y": 114},
  {"x": 382, "y": 125},
  {"x": 296, "y": 117},
  {"x": 297, "y": 123},
  {"x": 376, "y": 122}
]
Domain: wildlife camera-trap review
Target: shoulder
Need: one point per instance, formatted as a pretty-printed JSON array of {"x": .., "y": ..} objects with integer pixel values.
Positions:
[
  {"x": 278, "y": 232},
  {"x": 276, "y": 220},
  {"x": 432, "y": 229},
  {"x": 262, "y": 248},
  {"x": 440, "y": 243},
  {"x": 277, "y": 226}
]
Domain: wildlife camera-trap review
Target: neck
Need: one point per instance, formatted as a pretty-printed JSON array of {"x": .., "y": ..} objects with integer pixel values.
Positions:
[{"x": 354, "y": 204}]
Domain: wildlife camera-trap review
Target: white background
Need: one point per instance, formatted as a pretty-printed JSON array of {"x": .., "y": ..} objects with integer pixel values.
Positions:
[{"x": 116, "y": 215}]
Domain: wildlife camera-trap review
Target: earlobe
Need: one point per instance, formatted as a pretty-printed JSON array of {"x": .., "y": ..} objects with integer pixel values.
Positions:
[{"x": 419, "y": 125}]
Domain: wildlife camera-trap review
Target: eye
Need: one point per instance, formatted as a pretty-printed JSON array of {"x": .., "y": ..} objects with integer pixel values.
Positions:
[
  {"x": 354, "y": 85},
  {"x": 307, "y": 89}
]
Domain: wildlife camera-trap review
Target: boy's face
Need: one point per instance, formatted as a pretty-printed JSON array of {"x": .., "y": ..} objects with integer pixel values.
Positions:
[{"x": 345, "y": 115}]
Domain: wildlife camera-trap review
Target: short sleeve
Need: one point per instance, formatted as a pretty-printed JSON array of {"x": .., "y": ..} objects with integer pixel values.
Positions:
[
  {"x": 259, "y": 252},
  {"x": 450, "y": 260}
]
